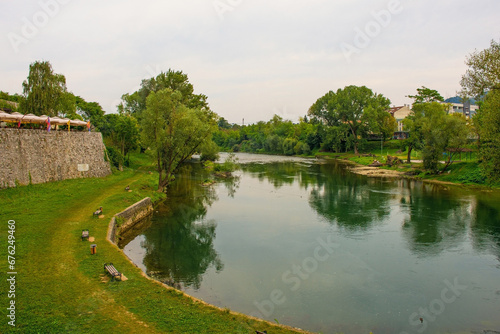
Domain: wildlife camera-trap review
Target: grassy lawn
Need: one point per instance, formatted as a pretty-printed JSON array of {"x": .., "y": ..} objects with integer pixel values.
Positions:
[{"x": 62, "y": 288}]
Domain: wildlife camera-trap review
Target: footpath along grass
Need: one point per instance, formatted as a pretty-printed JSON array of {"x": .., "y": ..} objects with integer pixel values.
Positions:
[{"x": 61, "y": 288}]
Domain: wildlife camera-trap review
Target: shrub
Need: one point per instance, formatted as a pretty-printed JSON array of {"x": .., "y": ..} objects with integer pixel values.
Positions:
[{"x": 115, "y": 157}]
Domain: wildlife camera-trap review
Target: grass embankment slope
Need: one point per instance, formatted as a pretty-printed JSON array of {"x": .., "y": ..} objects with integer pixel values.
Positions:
[{"x": 62, "y": 288}]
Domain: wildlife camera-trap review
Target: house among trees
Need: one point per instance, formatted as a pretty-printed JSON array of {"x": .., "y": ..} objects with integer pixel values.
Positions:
[{"x": 400, "y": 113}]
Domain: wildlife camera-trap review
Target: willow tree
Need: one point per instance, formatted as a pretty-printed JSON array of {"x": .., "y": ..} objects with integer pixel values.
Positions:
[
  {"x": 174, "y": 132},
  {"x": 45, "y": 92}
]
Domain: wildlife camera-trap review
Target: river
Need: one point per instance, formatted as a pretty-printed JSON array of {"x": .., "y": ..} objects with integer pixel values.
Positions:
[{"x": 308, "y": 244}]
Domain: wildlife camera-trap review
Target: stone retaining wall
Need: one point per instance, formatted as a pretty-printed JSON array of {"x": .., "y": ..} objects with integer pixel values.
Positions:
[
  {"x": 128, "y": 218},
  {"x": 38, "y": 156}
]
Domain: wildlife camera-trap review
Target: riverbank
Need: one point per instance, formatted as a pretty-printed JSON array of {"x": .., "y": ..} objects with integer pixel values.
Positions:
[
  {"x": 61, "y": 287},
  {"x": 465, "y": 174}
]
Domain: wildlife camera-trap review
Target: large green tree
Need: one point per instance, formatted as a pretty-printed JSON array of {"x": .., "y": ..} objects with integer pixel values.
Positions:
[
  {"x": 482, "y": 80},
  {"x": 357, "y": 107},
  {"x": 173, "y": 132},
  {"x": 483, "y": 74},
  {"x": 135, "y": 103},
  {"x": 45, "y": 92}
]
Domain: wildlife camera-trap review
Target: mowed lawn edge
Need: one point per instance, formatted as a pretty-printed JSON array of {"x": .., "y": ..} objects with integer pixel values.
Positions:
[{"x": 62, "y": 288}]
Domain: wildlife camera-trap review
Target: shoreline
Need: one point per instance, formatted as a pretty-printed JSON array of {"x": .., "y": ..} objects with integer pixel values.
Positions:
[{"x": 368, "y": 171}]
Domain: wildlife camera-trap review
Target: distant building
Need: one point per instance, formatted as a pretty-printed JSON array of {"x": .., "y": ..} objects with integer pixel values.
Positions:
[
  {"x": 468, "y": 109},
  {"x": 400, "y": 113}
]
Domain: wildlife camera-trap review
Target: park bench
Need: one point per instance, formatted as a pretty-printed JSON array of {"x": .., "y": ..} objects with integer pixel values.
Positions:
[
  {"x": 98, "y": 212},
  {"x": 110, "y": 268},
  {"x": 85, "y": 234}
]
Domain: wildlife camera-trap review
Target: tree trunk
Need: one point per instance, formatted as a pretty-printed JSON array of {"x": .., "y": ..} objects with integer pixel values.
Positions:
[
  {"x": 159, "y": 172},
  {"x": 408, "y": 159}
]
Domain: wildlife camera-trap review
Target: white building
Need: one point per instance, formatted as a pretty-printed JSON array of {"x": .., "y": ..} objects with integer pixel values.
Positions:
[{"x": 467, "y": 109}]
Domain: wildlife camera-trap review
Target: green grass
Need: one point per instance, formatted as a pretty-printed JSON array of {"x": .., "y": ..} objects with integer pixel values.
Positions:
[{"x": 62, "y": 288}]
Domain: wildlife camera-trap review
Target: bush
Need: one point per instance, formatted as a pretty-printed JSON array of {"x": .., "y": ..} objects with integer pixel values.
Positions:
[
  {"x": 288, "y": 146},
  {"x": 229, "y": 165},
  {"x": 115, "y": 157}
]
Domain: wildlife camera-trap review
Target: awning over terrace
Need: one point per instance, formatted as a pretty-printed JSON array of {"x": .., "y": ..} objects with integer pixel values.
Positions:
[{"x": 33, "y": 119}]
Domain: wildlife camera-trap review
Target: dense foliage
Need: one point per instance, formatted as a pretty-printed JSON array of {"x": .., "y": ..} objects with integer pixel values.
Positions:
[
  {"x": 174, "y": 127},
  {"x": 357, "y": 109},
  {"x": 45, "y": 92},
  {"x": 482, "y": 81}
]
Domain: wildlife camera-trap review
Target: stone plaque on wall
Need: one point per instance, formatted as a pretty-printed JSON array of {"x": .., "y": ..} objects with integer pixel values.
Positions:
[{"x": 83, "y": 167}]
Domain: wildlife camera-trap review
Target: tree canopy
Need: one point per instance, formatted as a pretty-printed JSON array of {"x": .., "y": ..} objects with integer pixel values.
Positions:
[
  {"x": 135, "y": 103},
  {"x": 45, "y": 92},
  {"x": 174, "y": 132},
  {"x": 356, "y": 107},
  {"x": 483, "y": 74},
  {"x": 426, "y": 95}
]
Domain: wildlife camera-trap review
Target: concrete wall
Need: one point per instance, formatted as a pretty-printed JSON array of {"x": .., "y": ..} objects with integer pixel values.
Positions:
[
  {"x": 128, "y": 218},
  {"x": 38, "y": 156}
]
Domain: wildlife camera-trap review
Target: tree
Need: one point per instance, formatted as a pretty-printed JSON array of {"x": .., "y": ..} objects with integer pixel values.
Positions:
[
  {"x": 381, "y": 122},
  {"x": 413, "y": 124},
  {"x": 454, "y": 137},
  {"x": 435, "y": 133},
  {"x": 90, "y": 111},
  {"x": 488, "y": 119},
  {"x": 135, "y": 103},
  {"x": 173, "y": 132},
  {"x": 483, "y": 74},
  {"x": 126, "y": 133},
  {"x": 348, "y": 106},
  {"x": 482, "y": 80},
  {"x": 44, "y": 91},
  {"x": 420, "y": 129},
  {"x": 426, "y": 95}
]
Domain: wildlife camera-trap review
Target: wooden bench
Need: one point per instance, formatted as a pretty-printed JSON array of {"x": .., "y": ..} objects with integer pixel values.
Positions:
[
  {"x": 85, "y": 234},
  {"x": 110, "y": 268}
]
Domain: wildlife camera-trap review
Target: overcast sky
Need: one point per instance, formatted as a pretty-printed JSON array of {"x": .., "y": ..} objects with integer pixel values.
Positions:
[{"x": 252, "y": 58}]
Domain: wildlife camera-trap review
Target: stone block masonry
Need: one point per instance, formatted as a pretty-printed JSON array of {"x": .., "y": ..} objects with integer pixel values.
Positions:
[
  {"x": 128, "y": 218},
  {"x": 36, "y": 156}
]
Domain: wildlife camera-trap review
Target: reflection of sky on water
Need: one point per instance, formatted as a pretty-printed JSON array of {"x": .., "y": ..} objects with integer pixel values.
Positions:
[{"x": 398, "y": 243}]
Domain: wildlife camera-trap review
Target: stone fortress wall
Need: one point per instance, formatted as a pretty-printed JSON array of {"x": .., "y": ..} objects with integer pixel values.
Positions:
[{"x": 37, "y": 156}]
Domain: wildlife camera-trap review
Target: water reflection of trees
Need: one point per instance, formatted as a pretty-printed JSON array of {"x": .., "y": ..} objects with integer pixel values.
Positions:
[
  {"x": 180, "y": 246},
  {"x": 349, "y": 200},
  {"x": 341, "y": 197},
  {"x": 485, "y": 230},
  {"x": 437, "y": 219},
  {"x": 284, "y": 173}
]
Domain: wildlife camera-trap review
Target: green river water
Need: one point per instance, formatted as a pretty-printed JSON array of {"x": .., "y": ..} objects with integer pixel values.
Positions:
[{"x": 308, "y": 244}]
